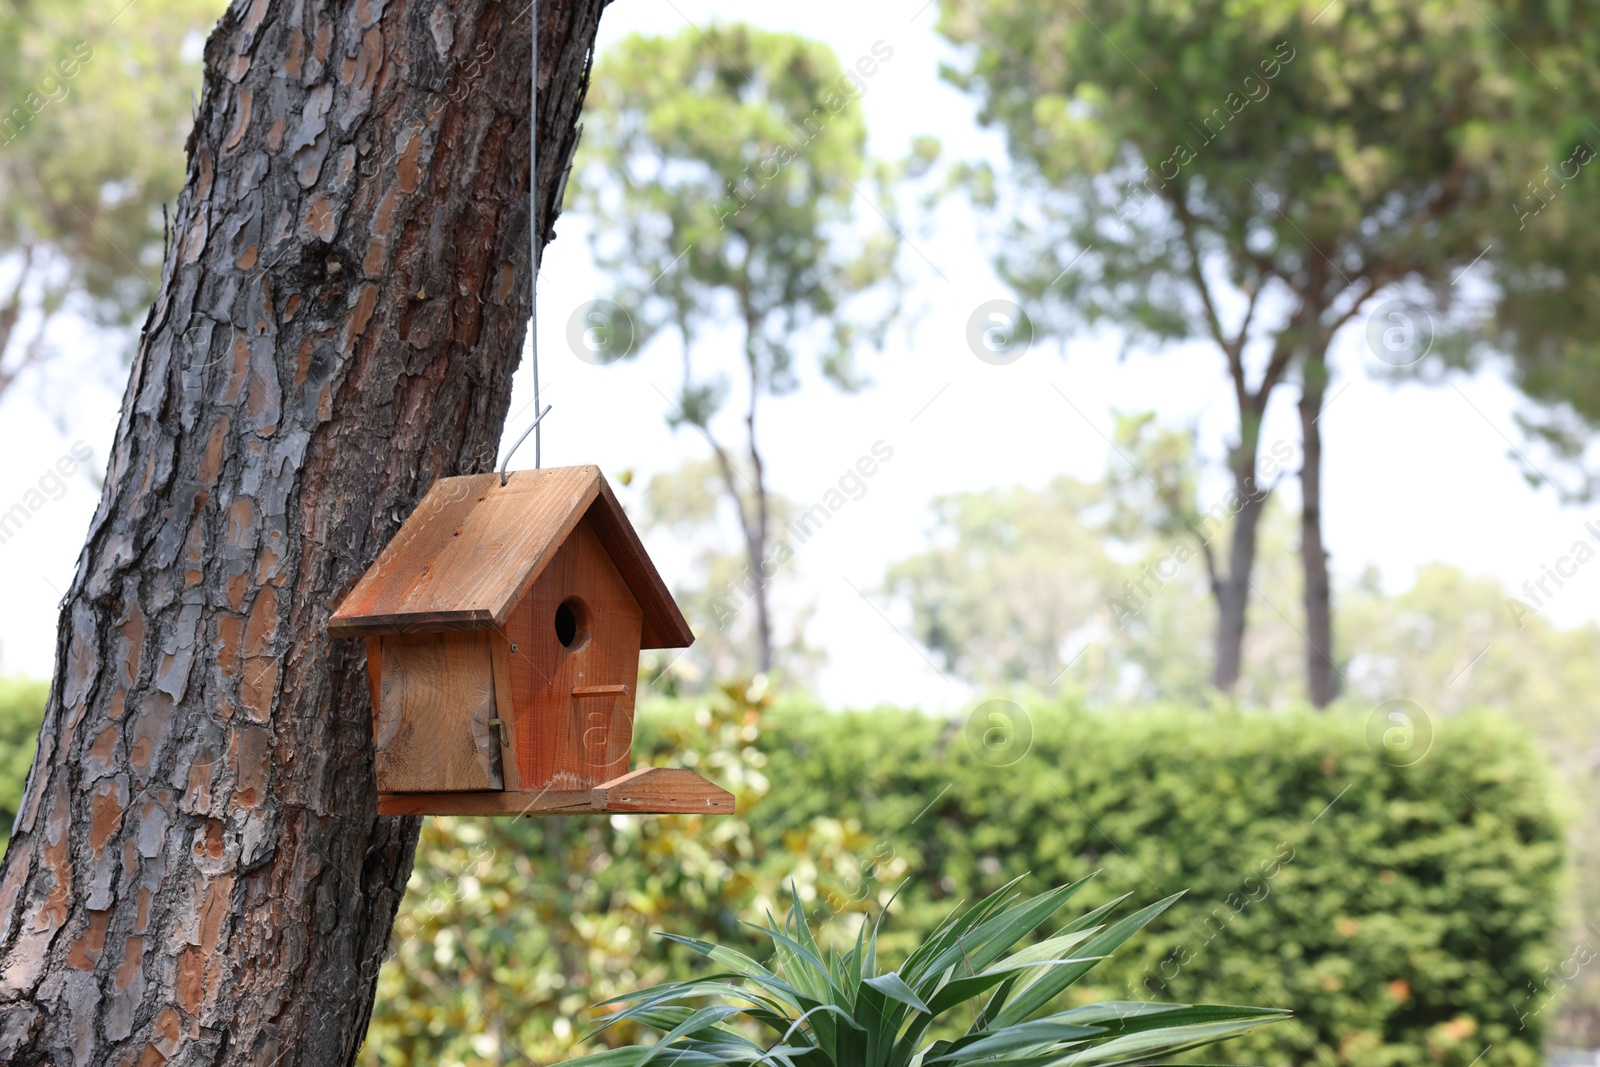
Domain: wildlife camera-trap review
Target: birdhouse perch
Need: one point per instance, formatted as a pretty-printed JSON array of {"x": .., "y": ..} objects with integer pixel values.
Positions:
[{"x": 503, "y": 627}]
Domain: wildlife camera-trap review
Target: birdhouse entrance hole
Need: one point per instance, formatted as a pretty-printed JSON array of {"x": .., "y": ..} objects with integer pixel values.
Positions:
[{"x": 572, "y": 623}]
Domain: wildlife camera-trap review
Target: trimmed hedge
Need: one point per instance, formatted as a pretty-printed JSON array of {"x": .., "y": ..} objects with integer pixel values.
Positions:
[{"x": 1406, "y": 914}]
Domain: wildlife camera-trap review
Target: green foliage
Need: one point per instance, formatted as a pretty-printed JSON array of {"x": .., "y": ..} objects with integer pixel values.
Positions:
[
  {"x": 97, "y": 97},
  {"x": 1326, "y": 153},
  {"x": 1096, "y": 590},
  {"x": 1261, "y": 174},
  {"x": 1403, "y": 913},
  {"x": 827, "y": 1008},
  {"x": 21, "y": 712},
  {"x": 721, "y": 169}
]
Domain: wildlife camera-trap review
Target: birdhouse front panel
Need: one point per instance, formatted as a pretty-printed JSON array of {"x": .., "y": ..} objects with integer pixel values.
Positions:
[
  {"x": 504, "y": 622},
  {"x": 435, "y": 720},
  {"x": 575, "y": 668}
]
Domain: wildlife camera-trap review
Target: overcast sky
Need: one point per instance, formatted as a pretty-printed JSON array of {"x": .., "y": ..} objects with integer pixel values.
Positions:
[{"x": 1414, "y": 474}]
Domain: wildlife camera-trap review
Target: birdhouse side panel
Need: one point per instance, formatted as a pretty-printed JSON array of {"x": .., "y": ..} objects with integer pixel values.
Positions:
[
  {"x": 574, "y": 668},
  {"x": 436, "y": 698}
]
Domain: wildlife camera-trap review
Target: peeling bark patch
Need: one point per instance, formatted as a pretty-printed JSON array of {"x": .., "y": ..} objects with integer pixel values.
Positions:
[
  {"x": 313, "y": 119},
  {"x": 211, "y": 844},
  {"x": 320, "y": 219},
  {"x": 199, "y": 970},
  {"x": 102, "y": 755},
  {"x": 150, "y": 729},
  {"x": 241, "y": 121},
  {"x": 443, "y": 32},
  {"x": 263, "y": 624},
  {"x": 105, "y": 815},
  {"x": 165, "y": 1033},
  {"x": 81, "y": 664},
  {"x": 252, "y": 757},
  {"x": 85, "y": 952},
  {"x": 127, "y": 990},
  {"x": 211, "y": 461},
  {"x": 252, "y": 19},
  {"x": 360, "y": 316},
  {"x": 239, "y": 372}
]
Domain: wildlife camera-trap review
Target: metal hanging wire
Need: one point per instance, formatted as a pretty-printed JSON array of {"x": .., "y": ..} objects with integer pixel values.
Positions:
[{"x": 533, "y": 253}]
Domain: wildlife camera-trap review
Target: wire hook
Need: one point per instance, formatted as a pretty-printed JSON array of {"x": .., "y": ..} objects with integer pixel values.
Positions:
[{"x": 507, "y": 464}]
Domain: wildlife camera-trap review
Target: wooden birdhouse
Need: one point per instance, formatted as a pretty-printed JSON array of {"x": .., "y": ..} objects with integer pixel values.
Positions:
[{"x": 503, "y": 627}]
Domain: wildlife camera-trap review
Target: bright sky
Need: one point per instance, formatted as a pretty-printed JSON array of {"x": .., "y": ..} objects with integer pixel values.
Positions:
[{"x": 1413, "y": 474}]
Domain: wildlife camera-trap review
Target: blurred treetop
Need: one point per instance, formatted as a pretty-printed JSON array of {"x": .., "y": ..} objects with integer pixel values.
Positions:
[
  {"x": 723, "y": 170},
  {"x": 96, "y": 98}
]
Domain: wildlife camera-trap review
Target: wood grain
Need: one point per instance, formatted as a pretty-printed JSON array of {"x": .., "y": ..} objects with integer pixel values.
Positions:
[
  {"x": 663, "y": 789},
  {"x": 646, "y": 791},
  {"x": 437, "y": 697},
  {"x": 575, "y": 705},
  {"x": 506, "y": 708},
  {"x": 472, "y": 549},
  {"x": 464, "y": 556}
]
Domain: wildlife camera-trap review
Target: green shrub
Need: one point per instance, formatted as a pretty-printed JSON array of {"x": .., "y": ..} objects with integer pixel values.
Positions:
[
  {"x": 1405, "y": 914},
  {"x": 21, "y": 712},
  {"x": 830, "y": 1009}
]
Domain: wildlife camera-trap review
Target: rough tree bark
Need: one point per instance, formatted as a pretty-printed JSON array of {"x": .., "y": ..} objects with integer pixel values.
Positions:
[{"x": 198, "y": 873}]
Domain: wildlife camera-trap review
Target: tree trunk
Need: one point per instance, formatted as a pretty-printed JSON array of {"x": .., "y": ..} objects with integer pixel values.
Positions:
[
  {"x": 1232, "y": 590},
  {"x": 198, "y": 873},
  {"x": 756, "y": 541},
  {"x": 1313, "y": 554}
]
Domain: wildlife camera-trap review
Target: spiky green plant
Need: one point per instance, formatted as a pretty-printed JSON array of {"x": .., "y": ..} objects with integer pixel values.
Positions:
[{"x": 838, "y": 1010}]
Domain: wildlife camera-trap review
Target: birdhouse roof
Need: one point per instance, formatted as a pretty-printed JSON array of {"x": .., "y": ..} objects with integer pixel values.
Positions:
[{"x": 472, "y": 549}]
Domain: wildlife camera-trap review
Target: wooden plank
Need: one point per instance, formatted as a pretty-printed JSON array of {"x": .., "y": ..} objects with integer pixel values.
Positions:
[
  {"x": 664, "y": 625},
  {"x": 506, "y": 708},
  {"x": 646, "y": 791},
  {"x": 472, "y": 550},
  {"x": 466, "y": 554},
  {"x": 436, "y": 699},
  {"x": 660, "y": 789},
  {"x": 575, "y": 704}
]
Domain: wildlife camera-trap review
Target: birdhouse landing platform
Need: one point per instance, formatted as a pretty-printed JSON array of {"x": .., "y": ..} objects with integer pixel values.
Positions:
[{"x": 503, "y": 627}]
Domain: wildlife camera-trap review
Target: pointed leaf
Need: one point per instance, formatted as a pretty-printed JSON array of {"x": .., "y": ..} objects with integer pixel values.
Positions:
[{"x": 894, "y": 987}]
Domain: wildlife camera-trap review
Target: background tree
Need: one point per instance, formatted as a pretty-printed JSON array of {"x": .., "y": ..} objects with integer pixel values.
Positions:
[
  {"x": 1543, "y": 315},
  {"x": 1092, "y": 589},
  {"x": 94, "y": 109},
  {"x": 691, "y": 502},
  {"x": 1259, "y": 181},
  {"x": 198, "y": 874},
  {"x": 731, "y": 165}
]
